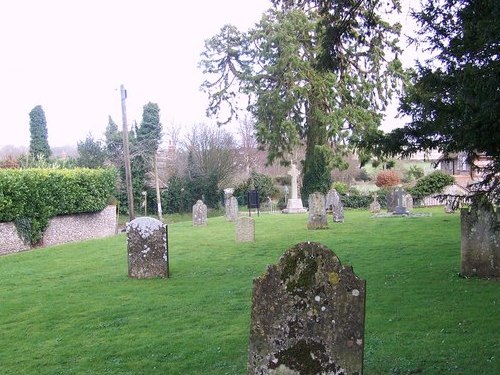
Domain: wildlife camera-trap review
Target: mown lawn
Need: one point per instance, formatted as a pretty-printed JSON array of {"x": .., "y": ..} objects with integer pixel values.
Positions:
[{"x": 72, "y": 309}]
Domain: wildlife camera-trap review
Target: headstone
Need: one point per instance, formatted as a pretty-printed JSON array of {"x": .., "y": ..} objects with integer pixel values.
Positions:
[
  {"x": 294, "y": 204},
  {"x": 232, "y": 209},
  {"x": 401, "y": 202},
  {"x": 391, "y": 200},
  {"x": 333, "y": 200},
  {"x": 147, "y": 248},
  {"x": 307, "y": 315},
  {"x": 408, "y": 202},
  {"x": 375, "y": 205},
  {"x": 480, "y": 248},
  {"x": 199, "y": 213},
  {"x": 245, "y": 229},
  {"x": 317, "y": 212}
]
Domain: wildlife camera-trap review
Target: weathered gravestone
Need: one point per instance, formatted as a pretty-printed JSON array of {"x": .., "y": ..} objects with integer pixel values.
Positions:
[
  {"x": 402, "y": 201},
  {"x": 480, "y": 248},
  {"x": 317, "y": 212},
  {"x": 245, "y": 229},
  {"x": 375, "y": 205},
  {"x": 231, "y": 209},
  {"x": 334, "y": 203},
  {"x": 147, "y": 248},
  {"x": 294, "y": 203},
  {"x": 307, "y": 316},
  {"x": 199, "y": 213},
  {"x": 391, "y": 200}
]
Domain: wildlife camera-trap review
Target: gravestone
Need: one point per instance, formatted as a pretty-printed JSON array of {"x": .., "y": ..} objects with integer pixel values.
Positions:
[
  {"x": 245, "y": 229},
  {"x": 199, "y": 213},
  {"x": 317, "y": 212},
  {"x": 232, "y": 209},
  {"x": 391, "y": 199},
  {"x": 337, "y": 206},
  {"x": 375, "y": 205},
  {"x": 401, "y": 202},
  {"x": 480, "y": 245},
  {"x": 307, "y": 315},
  {"x": 408, "y": 202},
  {"x": 294, "y": 203},
  {"x": 147, "y": 248}
]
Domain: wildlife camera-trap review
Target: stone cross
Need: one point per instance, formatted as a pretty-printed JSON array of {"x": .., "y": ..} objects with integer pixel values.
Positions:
[
  {"x": 294, "y": 173},
  {"x": 199, "y": 213},
  {"x": 307, "y": 316},
  {"x": 147, "y": 247}
]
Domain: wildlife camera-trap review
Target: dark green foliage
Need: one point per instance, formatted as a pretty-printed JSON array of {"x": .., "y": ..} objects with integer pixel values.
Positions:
[
  {"x": 454, "y": 102},
  {"x": 39, "y": 144},
  {"x": 257, "y": 181},
  {"x": 91, "y": 153},
  {"x": 431, "y": 184},
  {"x": 148, "y": 135},
  {"x": 414, "y": 173},
  {"x": 357, "y": 201},
  {"x": 318, "y": 74},
  {"x": 30, "y": 197},
  {"x": 317, "y": 176}
]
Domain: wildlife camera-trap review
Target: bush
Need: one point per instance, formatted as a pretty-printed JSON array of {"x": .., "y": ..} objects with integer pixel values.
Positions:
[
  {"x": 387, "y": 179},
  {"x": 431, "y": 184},
  {"x": 356, "y": 201},
  {"x": 340, "y": 187},
  {"x": 261, "y": 182},
  {"x": 30, "y": 197}
]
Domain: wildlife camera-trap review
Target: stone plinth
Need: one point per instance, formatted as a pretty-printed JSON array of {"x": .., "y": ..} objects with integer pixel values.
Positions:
[
  {"x": 147, "y": 248},
  {"x": 307, "y": 316},
  {"x": 294, "y": 206}
]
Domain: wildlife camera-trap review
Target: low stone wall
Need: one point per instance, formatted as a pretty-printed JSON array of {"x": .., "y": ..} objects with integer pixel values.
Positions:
[{"x": 63, "y": 229}]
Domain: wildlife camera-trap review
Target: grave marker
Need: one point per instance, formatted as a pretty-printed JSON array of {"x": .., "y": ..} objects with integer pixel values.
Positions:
[
  {"x": 147, "y": 247},
  {"x": 199, "y": 213},
  {"x": 307, "y": 315},
  {"x": 245, "y": 229},
  {"x": 317, "y": 212}
]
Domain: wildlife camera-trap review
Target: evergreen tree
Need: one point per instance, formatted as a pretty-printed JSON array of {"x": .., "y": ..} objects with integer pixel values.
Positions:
[
  {"x": 39, "y": 144},
  {"x": 316, "y": 73}
]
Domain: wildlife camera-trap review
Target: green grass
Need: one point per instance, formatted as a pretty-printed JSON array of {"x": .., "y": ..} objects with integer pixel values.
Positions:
[{"x": 72, "y": 309}]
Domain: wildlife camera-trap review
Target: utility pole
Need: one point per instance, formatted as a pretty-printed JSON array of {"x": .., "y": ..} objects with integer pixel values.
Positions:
[
  {"x": 126, "y": 156},
  {"x": 157, "y": 183}
]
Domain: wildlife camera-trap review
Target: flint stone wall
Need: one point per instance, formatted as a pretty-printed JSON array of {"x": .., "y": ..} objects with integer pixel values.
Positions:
[
  {"x": 480, "y": 245},
  {"x": 63, "y": 229},
  {"x": 307, "y": 316}
]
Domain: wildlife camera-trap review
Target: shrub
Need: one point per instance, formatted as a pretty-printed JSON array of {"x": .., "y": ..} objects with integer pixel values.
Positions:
[
  {"x": 387, "y": 179},
  {"x": 431, "y": 184},
  {"x": 30, "y": 197},
  {"x": 340, "y": 187},
  {"x": 261, "y": 182}
]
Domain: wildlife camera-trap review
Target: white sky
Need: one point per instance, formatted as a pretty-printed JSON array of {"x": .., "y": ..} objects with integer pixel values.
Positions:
[{"x": 71, "y": 57}]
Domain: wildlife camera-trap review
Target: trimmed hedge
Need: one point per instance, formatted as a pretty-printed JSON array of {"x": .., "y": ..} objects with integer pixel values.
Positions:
[{"x": 30, "y": 197}]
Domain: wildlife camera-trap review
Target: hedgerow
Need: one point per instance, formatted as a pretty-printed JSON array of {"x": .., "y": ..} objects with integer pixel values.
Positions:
[{"x": 30, "y": 197}]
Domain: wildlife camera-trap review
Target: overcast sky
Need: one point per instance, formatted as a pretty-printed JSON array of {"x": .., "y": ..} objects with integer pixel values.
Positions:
[{"x": 71, "y": 57}]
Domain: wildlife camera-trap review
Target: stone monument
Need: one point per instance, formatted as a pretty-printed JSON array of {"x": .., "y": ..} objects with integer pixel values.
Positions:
[
  {"x": 307, "y": 316},
  {"x": 317, "y": 212},
  {"x": 147, "y": 247},
  {"x": 230, "y": 204},
  {"x": 334, "y": 202},
  {"x": 294, "y": 204},
  {"x": 402, "y": 202},
  {"x": 375, "y": 205},
  {"x": 245, "y": 229},
  {"x": 480, "y": 245},
  {"x": 199, "y": 213}
]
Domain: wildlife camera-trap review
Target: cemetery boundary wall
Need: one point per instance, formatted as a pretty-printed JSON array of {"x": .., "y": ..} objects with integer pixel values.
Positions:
[{"x": 63, "y": 229}]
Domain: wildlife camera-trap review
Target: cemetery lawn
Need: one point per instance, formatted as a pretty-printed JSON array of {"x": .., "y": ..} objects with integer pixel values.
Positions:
[{"x": 71, "y": 309}]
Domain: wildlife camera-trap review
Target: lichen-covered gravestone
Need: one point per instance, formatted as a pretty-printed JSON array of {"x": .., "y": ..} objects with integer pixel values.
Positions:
[
  {"x": 147, "y": 247},
  {"x": 231, "y": 209},
  {"x": 245, "y": 229},
  {"x": 199, "y": 213},
  {"x": 480, "y": 245},
  {"x": 317, "y": 212},
  {"x": 308, "y": 315}
]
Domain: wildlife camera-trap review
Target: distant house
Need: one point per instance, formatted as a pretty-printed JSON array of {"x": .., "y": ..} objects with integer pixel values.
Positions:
[{"x": 458, "y": 166}]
